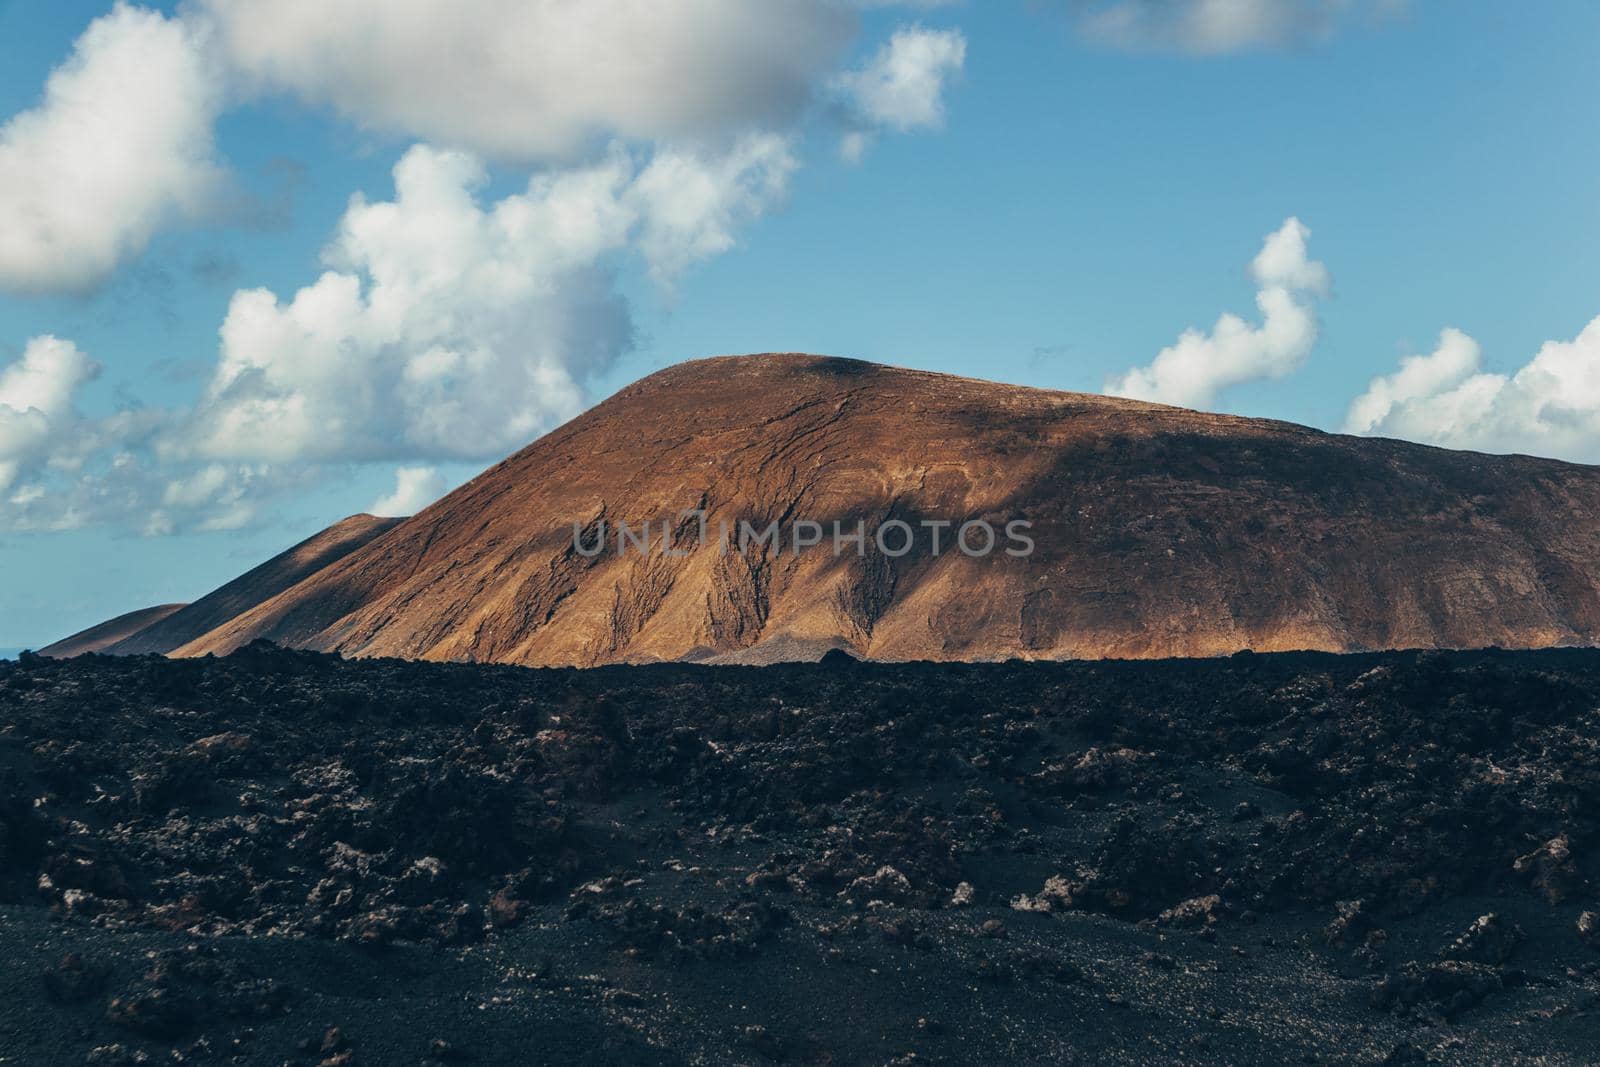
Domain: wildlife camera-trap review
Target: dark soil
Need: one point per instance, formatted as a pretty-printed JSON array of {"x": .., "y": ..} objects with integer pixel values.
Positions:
[{"x": 283, "y": 857}]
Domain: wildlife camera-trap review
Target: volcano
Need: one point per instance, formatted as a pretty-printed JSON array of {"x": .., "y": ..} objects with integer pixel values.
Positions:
[{"x": 1152, "y": 531}]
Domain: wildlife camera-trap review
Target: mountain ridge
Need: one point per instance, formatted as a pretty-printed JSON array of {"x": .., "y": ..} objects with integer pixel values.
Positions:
[
  {"x": 161, "y": 630},
  {"x": 1161, "y": 532},
  {"x": 113, "y": 631}
]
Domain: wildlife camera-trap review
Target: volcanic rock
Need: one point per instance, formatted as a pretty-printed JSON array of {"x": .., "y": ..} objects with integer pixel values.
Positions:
[{"x": 232, "y": 854}]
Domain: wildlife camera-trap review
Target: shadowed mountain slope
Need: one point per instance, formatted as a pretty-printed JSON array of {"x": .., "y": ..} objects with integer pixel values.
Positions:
[
  {"x": 163, "y": 629},
  {"x": 1158, "y": 532},
  {"x": 279, "y": 573},
  {"x": 99, "y": 638}
]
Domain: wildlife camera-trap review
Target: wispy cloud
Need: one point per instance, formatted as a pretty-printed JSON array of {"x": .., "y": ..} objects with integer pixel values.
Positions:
[{"x": 1213, "y": 27}]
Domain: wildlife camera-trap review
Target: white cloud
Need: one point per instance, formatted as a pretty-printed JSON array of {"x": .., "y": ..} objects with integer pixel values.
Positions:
[
  {"x": 1284, "y": 261},
  {"x": 122, "y": 482},
  {"x": 1550, "y": 406},
  {"x": 445, "y": 329},
  {"x": 414, "y": 489},
  {"x": 120, "y": 144},
  {"x": 37, "y": 393},
  {"x": 44, "y": 379},
  {"x": 1210, "y": 27},
  {"x": 214, "y": 496},
  {"x": 61, "y": 469},
  {"x": 901, "y": 88},
  {"x": 528, "y": 79},
  {"x": 1200, "y": 365},
  {"x": 689, "y": 203},
  {"x": 1456, "y": 358}
]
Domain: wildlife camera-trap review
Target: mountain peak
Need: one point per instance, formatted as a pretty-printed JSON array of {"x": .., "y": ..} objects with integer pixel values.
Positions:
[{"x": 1150, "y": 531}]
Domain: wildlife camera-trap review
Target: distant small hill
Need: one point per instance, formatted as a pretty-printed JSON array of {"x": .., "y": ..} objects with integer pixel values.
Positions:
[
  {"x": 99, "y": 638},
  {"x": 257, "y": 586},
  {"x": 160, "y": 630}
]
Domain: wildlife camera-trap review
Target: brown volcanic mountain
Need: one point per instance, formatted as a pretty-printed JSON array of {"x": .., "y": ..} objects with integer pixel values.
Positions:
[
  {"x": 165, "y": 628},
  {"x": 1158, "y": 532}
]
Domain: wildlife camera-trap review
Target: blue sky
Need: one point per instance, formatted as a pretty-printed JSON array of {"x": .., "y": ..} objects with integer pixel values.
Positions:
[{"x": 1037, "y": 200}]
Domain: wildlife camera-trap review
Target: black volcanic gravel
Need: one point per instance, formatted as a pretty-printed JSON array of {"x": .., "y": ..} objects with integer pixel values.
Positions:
[{"x": 283, "y": 857}]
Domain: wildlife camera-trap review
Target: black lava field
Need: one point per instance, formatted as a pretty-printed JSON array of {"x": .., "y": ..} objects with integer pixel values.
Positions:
[{"x": 287, "y": 858}]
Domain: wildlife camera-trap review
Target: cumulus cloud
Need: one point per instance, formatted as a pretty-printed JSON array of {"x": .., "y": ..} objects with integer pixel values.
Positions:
[
  {"x": 449, "y": 329},
  {"x": 530, "y": 79},
  {"x": 901, "y": 88},
  {"x": 414, "y": 489},
  {"x": 1456, "y": 358},
  {"x": 120, "y": 144},
  {"x": 1192, "y": 372},
  {"x": 1285, "y": 263},
  {"x": 61, "y": 469},
  {"x": 37, "y": 412},
  {"x": 443, "y": 326},
  {"x": 1550, "y": 406},
  {"x": 1210, "y": 27},
  {"x": 689, "y": 204}
]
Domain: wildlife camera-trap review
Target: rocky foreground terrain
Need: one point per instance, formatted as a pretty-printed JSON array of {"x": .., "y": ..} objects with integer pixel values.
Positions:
[{"x": 282, "y": 857}]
